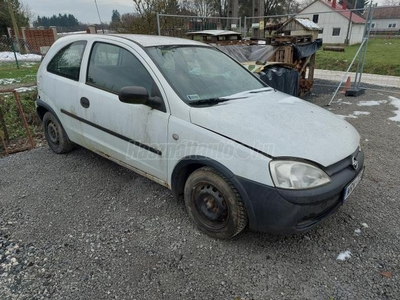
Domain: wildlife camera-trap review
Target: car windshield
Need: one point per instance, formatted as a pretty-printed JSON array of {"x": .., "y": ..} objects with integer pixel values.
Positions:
[{"x": 202, "y": 73}]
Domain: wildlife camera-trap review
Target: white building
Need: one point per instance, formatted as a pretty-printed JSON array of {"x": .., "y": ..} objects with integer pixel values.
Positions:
[
  {"x": 386, "y": 20},
  {"x": 337, "y": 22}
]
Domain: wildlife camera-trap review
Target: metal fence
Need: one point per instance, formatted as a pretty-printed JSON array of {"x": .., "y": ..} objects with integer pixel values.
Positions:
[
  {"x": 347, "y": 36},
  {"x": 20, "y": 126},
  {"x": 14, "y": 50},
  {"x": 8, "y": 44}
]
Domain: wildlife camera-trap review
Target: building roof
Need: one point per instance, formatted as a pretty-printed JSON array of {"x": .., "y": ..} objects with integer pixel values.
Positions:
[
  {"x": 307, "y": 24},
  {"x": 386, "y": 12},
  {"x": 340, "y": 10}
]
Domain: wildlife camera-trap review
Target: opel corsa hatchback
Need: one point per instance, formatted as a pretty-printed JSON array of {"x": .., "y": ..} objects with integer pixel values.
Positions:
[{"x": 189, "y": 117}]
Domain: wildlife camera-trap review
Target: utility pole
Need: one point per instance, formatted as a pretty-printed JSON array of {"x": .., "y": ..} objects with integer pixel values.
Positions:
[
  {"x": 98, "y": 13},
  {"x": 14, "y": 22}
]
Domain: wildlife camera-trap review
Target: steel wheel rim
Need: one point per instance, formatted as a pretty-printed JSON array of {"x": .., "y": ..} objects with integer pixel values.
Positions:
[
  {"x": 211, "y": 206},
  {"x": 53, "y": 134}
]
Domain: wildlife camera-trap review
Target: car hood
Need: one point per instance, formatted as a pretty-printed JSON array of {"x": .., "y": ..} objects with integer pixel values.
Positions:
[{"x": 281, "y": 126}]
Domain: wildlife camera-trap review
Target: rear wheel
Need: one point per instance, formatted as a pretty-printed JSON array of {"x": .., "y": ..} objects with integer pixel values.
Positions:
[
  {"x": 55, "y": 135},
  {"x": 214, "y": 204}
]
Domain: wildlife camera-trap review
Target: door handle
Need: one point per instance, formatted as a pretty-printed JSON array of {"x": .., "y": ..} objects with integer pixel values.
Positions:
[{"x": 85, "y": 102}]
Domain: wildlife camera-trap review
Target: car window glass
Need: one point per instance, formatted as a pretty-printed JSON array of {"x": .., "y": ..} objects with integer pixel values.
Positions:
[
  {"x": 198, "y": 73},
  {"x": 112, "y": 68},
  {"x": 67, "y": 62}
]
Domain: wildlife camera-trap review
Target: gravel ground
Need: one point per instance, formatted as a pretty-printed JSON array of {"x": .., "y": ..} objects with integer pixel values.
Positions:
[{"x": 78, "y": 226}]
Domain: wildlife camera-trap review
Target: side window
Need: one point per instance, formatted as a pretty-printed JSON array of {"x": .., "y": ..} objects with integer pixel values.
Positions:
[
  {"x": 112, "y": 68},
  {"x": 67, "y": 62}
]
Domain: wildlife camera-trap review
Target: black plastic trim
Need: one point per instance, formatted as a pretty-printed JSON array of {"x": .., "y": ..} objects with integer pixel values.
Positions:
[
  {"x": 122, "y": 137},
  {"x": 276, "y": 212},
  {"x": 41, "y": 103}
]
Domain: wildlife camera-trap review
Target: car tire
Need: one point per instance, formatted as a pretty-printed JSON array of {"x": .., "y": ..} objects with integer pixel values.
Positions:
[
  {"x": 55, "y": 134},
  {"x": 214, "y": 204}
]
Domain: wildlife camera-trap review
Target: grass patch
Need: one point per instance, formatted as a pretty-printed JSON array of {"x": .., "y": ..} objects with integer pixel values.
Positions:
[
  {"x": 10, "y": 74},
  {"x": 382, "y": 58}
]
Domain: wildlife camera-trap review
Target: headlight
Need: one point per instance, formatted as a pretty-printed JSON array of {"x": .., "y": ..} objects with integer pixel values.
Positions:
[{"x": 296, "y": 175}]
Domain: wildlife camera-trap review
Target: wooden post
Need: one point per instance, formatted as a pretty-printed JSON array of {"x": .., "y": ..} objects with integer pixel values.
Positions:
[{"x": 15, "y": 25}]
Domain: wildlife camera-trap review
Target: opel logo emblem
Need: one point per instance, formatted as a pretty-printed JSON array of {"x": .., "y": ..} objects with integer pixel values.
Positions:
[{"x": 354, "y": 163}]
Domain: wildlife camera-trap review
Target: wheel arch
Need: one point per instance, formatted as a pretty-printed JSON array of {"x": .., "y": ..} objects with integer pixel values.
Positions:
[
  {"x": 189, "y": 164},
  {"x": 42, "y": 108}
]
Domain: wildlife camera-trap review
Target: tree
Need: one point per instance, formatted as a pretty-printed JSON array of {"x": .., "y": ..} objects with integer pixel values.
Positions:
[
  {"x": 68, "y": 22},
  {"x": 203, "y": 8},
  {"x": 20, "y": 12},
  {"x": 115, "y": 19},
  {"x": 145, "y": 21},
  {"x": 275, "y": 7}
]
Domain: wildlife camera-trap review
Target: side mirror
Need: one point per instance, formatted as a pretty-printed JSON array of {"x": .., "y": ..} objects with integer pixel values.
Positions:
[
  {"x": 133, "y": 95},
  {"x": 139, "y": 95}
]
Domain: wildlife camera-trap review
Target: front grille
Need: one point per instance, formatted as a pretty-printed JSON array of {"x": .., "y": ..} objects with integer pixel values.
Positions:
[{"x": 345, "y": 163}]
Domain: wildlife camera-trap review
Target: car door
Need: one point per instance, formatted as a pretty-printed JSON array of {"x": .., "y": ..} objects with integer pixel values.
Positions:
[{"x": 132, "y": 134}]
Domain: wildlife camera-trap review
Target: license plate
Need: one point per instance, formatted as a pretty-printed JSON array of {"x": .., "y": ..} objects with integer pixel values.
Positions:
[{"x": 351, "y": 187}]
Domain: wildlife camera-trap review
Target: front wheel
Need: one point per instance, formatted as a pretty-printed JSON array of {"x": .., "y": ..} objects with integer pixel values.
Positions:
[
  {"x": 55, "y": 135},
  {"x": 214, "y": 204}
]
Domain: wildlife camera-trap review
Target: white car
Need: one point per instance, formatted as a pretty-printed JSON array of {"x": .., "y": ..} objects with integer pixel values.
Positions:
[{"x": 189, "y": 117}]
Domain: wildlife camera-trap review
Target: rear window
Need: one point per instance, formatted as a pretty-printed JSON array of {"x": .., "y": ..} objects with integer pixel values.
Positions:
[{"x": 67, "y": 62}]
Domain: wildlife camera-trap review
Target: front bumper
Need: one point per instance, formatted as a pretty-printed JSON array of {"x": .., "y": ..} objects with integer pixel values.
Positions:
[{"x": 283, "y": 211}]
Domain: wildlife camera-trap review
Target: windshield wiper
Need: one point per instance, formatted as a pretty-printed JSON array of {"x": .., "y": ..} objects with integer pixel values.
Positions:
[{"x": 211, "y": 101}]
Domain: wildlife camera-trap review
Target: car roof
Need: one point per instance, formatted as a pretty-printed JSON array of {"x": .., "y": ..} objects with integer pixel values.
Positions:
[{"x": 157, "y": 40}]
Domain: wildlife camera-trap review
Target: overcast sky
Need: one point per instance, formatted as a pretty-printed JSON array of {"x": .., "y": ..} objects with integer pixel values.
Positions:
[{"x": 84, "y": 10}]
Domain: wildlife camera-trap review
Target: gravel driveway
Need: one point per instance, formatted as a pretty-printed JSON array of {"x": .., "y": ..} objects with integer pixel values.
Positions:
[{"x": 78, "y": 226}]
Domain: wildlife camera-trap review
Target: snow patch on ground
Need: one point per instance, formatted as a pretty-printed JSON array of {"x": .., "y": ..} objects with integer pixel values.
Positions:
[
  {"x": 396, "y": 103},
  {"x": 340, "y": 102},
  {"x": 344, "y": 255},
  {"x": 371, "y": 103},
  {"x": 360, "y": 113},
  {"x": 9, "y": 56},
  {"x": 355, "y": 114},
  {"x": 25, "y": 89},
  {"x": 29, "y": 64},
  {"x": 6, "y": 81}
]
